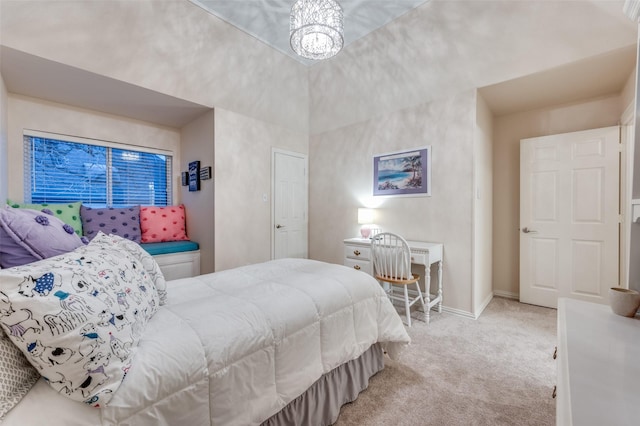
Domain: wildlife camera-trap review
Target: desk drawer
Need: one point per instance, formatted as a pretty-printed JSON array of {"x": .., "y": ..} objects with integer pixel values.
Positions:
[
  {"x": 357, "y": 252},
  {"x": 358, "y": 264},
  {"x": 419, "y": 258}
]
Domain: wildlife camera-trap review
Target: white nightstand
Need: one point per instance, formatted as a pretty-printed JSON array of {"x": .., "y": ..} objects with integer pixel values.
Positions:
[{"x": 357, "y": 254}]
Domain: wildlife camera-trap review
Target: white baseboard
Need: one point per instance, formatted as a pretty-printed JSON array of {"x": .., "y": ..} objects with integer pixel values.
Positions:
[
  {"x": 458, "y": 312},
  {"x": 484, "y": 304},
  {"x": 506, "y": 294}
]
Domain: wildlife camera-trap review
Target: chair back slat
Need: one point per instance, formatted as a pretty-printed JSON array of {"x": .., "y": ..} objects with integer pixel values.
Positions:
[{"x": 391, "y": 256}]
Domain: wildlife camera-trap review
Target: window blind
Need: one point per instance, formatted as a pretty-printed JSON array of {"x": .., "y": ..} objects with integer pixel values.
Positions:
[{"x": 58, "y": 170}]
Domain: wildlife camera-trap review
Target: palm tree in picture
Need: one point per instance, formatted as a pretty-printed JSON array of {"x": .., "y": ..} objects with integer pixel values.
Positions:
[{"x": 413, "y": 163}]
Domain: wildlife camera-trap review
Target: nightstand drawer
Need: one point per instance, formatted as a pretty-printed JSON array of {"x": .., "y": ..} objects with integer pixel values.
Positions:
[
  {"x": 359, "y": 265},
  {"x": 357, "y": 252}
]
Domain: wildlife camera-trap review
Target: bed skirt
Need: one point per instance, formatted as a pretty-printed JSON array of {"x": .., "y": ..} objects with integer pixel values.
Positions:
[{"x": 321, "y": 403}]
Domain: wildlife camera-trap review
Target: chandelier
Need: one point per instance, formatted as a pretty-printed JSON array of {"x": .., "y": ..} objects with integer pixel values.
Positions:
[{"x": 316, "y": 28}]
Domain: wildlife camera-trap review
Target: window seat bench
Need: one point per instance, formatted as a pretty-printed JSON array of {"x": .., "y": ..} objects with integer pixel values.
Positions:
[{"x": 177, "y": 259}]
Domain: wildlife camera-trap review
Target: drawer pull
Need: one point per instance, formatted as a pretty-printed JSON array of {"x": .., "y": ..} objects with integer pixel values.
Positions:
[
  {"x": 356, "y": 252},
  {"x": 553, "y": 395},
  {"x": 555, "y": 353},
  {"x": 356, "y": 267}
]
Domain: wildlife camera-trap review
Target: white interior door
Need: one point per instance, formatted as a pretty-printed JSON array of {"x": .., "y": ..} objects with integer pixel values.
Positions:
[
  {"x": 569, "y": 216},
  {"x": 290, "y": 203}
]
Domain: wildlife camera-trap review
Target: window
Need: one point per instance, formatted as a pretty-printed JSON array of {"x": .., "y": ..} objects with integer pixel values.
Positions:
[{"x": 97, "y": 173}]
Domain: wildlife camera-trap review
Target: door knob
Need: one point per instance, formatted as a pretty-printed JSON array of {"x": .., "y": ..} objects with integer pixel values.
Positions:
[
  {"x": 528, "y": 231},
  {"x": 279, "y": 226}
]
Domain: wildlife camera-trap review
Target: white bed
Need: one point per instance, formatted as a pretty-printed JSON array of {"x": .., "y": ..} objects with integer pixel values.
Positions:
[{"x": 235, "y": 347}]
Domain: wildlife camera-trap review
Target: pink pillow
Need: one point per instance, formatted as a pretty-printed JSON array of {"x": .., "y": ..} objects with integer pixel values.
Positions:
[{"x": 160, "y": 224}]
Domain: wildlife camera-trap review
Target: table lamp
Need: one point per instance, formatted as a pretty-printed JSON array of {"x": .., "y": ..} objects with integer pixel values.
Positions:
[{"x": 365, "y": 218}]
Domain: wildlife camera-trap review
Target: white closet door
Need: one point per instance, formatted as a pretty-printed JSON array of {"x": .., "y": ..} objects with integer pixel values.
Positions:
[
  {"x": 290, "y": 204},
  {"x": 569, "y": 216}
]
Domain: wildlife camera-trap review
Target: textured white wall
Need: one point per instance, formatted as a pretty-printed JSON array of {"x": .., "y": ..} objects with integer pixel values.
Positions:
[
  {"x": 483, "y": 207},
  {"x": 4, "y": 132},
  {"x": 243, "y": 174},
  {"x": 341, "y": 181},
  {"x": 197, "y": 141},
  {"x": 35, "y": 114},
  {"x": 170, "y": 46},
  {"x": 446, "y": 47}
]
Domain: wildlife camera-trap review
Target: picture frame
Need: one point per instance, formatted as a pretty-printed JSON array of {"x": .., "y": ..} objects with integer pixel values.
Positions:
[
  {"x": 205, "y": 173},
  {"x": 194, "y": 176},
  {"x": 404, "y": 173}
]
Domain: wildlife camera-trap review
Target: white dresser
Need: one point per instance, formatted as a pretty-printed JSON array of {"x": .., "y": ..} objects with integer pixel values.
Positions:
[{"x": 598, "y": 366}]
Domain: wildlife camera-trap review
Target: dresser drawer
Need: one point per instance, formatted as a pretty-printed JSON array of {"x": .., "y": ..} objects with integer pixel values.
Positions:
[
  {"x": 359, "y": 264},
  {"x": 357, "y": 252}
]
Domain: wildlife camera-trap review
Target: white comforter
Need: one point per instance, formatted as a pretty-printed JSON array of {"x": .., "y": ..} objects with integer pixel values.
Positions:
[{"x": 234, "y": 347}]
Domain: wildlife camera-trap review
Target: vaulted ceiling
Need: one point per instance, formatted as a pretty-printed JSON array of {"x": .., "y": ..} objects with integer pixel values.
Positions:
[
  {"x": 268, "y": 20},
  {"x": 424, "y": 45}
]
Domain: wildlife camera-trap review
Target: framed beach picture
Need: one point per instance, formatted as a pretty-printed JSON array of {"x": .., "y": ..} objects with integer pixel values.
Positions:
[{"x": 404, "y": 173}]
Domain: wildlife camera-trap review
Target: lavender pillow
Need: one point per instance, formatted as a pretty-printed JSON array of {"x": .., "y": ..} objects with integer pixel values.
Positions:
[
  {"x": 12, "y": 253},
  {"x": 123, "y": 222},
  {"x": 30, "y": 235}
]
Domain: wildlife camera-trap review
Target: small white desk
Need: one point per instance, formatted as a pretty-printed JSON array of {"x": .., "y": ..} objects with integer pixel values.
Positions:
[{"x": 357, "y": 254}]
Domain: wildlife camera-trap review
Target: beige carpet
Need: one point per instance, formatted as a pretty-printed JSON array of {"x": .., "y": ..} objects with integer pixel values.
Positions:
[{"x": 497, "y": 370}]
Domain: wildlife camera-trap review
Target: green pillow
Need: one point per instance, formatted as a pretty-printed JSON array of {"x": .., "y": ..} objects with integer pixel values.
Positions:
[{"x": 68, "y": 213}]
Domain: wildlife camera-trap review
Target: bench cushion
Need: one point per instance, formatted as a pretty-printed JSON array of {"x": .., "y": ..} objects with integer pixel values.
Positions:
[{"x": 170, "y": 247}]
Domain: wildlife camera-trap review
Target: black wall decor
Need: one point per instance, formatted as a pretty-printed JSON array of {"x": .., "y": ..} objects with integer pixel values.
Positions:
[
  {"x": 205, "y": 173},
  {"x": 194, "y": 176}
]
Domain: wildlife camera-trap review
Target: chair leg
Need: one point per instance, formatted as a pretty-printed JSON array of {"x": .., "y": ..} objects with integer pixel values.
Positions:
[{"x": 407, "y": 307}]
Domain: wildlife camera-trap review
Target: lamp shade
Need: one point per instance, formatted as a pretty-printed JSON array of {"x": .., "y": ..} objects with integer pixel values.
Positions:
[{"x": 365, "y": 216}]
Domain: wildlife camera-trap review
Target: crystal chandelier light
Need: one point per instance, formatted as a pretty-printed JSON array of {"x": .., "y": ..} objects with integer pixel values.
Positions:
[{"x": 316, "y": 28}]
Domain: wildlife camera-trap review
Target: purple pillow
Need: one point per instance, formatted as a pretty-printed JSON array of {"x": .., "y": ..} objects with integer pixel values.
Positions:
[
  {"x": 11, "y": 253},
  {"x": 123, "y": 222},
  {"x": 30, "y": 235}
]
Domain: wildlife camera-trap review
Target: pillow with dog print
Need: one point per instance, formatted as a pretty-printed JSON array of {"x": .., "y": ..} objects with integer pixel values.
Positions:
[
  {"x": 148, "y": 262},
  {"x": 78, "y": 317}
]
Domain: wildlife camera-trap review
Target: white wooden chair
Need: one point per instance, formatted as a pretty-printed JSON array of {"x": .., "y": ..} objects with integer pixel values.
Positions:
[{"x": 391, "y": 259}]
